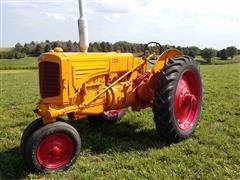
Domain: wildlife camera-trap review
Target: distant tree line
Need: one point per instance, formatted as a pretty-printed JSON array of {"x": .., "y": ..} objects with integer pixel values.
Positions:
[
  {"x": 37, "y": 48},
  {"x": 224, "y": 54}
]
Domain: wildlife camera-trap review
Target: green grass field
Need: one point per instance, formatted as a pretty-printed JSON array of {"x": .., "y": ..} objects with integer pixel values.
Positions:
[
  {"x": 131, "y": 149},
  {"x": 25, "y": 63}
]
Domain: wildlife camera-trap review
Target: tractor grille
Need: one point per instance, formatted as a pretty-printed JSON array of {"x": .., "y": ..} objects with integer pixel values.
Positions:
[{"x": 49, "y": 79}]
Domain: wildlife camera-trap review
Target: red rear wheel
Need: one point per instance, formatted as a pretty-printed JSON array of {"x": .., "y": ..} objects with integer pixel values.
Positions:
[
  {"x": 178, "y": 98},
  {"x": 186, "y": 99},
  {"x": 52, "y": 147}
]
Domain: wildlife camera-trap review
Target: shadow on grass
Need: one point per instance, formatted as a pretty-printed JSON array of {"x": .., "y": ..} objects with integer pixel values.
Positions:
[
  {"x": 11, "y": 164},
  {"x": 121, "y": 137}
]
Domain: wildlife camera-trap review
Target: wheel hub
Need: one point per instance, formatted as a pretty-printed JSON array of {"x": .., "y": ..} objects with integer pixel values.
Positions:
[
  {"x": 55, "y": 150},
  {"x": 186, "y": 99},
  {"x": 189, "y": 99}
]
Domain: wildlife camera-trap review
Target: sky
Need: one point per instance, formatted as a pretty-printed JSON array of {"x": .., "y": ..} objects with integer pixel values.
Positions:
[{"x": 202, "y": 23}]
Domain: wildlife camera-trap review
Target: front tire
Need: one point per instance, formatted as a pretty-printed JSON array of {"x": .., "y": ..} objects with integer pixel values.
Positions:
[
  {"x": 178, "y": 98},
  {"x": 53, "y": 147},
  {"x": 31, "y": 128}
]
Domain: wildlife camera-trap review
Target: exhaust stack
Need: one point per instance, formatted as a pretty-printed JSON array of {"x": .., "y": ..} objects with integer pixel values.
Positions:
[{"x": 83, "y": 29}]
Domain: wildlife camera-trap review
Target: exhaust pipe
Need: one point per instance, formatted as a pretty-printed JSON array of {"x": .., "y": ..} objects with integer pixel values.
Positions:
[{"x": 83, "y": 29}]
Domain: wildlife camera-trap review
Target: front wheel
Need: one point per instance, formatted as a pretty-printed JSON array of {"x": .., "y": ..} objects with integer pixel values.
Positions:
[
  {"x": 53, "y": 147},
  {"x": 178, "y": 98},
  {"x": 31, "y": 128}
]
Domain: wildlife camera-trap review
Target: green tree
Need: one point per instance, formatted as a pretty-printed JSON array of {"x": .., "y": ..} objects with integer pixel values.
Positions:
[
  {"x": 109, "y": 46},
  {"x": 134, "y": 49},
  {"x": 18, "y": 47},
  {"x": 56, "y": 44},
  {"x": 223, "y": 54},
  {"x": 47, "y": 48},
  {"x": 47, "y": 42},
  {"x": 185, "y": 50},
  {"x": 232, "y": 51},
  {"x": 96, "y": 47},
  {"x": 179, "y": 48},
  {"x": 19, "y": 55},
  {"x": 69, "y": 46},
  {"x": 38, "y": 50},
  {"x": 103, "y": 46},
  {"x": 26, "y": 48},
  {"x": 116, "y": 47},
  {"x": 90, "y": 48},
  {"x": 32, "y": 48},
  {"x": 76, "y": 47},
  {"x": 208, "y": 54},
  {"x": 194, "y": 51}
]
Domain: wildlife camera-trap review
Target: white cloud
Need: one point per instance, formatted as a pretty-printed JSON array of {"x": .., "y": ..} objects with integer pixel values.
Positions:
[
  {"x": 183, "y": 22},
  {"x": 107, "y": 18},
  {"x": 116, "y": 15},
  {"x": 55, "y": 16}
]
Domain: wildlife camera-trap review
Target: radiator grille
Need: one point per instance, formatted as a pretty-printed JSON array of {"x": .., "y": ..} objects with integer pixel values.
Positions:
[{"x": 49, "y": 79}]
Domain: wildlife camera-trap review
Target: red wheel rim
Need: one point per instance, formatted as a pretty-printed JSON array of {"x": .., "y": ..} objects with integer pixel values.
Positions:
[
  {"x": 55, "y": 150},
  {"x": 112, "y": 113},
  {"x": 186, "y": 99}
]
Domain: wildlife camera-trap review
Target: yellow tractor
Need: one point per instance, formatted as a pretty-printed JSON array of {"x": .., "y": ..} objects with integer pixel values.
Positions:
[{"x": 99, "y": 87}]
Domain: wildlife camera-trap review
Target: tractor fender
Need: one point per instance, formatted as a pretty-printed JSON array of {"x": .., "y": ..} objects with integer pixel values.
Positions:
[
  {"x": 164, "y": 57},
  {"x": 162, "y": 60}
]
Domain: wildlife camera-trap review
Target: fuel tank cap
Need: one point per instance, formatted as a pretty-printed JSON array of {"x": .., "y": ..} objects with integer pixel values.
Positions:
[{"x": 58, "y": 49}]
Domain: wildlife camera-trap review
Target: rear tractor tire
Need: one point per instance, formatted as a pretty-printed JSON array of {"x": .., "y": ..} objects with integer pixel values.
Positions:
[
  {"x": 178, "y": 99},
  {"x": 52, "y": 147},
  {"x": 108, "y": 117}
]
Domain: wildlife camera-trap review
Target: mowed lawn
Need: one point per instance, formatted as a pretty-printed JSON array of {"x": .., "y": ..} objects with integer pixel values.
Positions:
[
  {"x": 25, "y": 63},
  {"x": 132, "y": 149}
]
